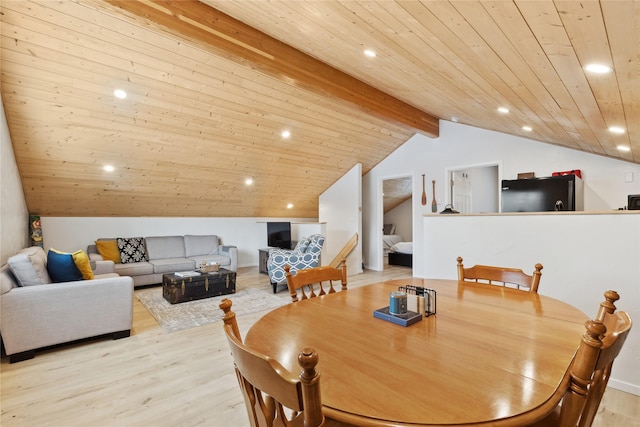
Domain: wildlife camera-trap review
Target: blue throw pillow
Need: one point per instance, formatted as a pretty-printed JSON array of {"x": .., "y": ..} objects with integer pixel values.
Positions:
[{"x": 62, "y": 268}]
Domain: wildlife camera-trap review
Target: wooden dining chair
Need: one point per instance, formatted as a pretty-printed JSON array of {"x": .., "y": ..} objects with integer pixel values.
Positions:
[
  {"x": 314, "y": 280},
  {"x": 275, "y": 397},
  {"x": 591, "y": 368},
  {"x": 503, "y": 276}
]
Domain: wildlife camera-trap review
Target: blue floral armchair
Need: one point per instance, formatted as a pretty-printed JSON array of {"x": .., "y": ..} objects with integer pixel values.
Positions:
[{"x": 305, "y": 255}]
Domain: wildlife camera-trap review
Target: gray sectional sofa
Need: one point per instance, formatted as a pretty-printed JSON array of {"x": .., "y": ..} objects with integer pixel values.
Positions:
[
  {"x": 168, "y": 254},
  {"x": 36, "y": 313}
]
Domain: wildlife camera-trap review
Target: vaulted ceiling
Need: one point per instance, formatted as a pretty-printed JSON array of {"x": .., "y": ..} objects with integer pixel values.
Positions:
[{"x": 211, "y": 86}]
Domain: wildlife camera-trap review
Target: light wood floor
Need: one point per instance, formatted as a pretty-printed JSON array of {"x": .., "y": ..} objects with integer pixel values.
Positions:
[{"x": 157, "y": 379}]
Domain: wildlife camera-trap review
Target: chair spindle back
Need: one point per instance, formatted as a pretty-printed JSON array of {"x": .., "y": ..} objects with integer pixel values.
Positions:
[
  {"x": 502, "y": 276},
  {"x": 274, "y": 397},
  {"x": 313, "y": 281}
]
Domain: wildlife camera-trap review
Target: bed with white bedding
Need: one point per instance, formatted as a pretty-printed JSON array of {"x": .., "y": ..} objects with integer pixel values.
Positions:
[
  {"x": 394, "y": 246},
  {"x": 401, "y": 254},
  {"x": 388, "y": 241},
  {"x": 403, "y": 247}
]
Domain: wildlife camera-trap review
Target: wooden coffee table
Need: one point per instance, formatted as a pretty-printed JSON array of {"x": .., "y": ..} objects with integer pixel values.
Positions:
[{"x": 176, "y": 289}]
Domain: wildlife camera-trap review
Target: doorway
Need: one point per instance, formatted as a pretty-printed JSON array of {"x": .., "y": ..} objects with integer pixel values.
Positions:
[
  {"x": 397, "y": 213},
  {"x": 475, "y": 189}
]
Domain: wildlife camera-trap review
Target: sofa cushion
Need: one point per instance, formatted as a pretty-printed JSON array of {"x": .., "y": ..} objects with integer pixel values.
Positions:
[
  {"x": 131, "y": 249},
  {"x": 160, "y": 247},
  {"x": 29, "y": 266},
  {"x": 108, "y": 249},
  {"x": 200, "y": 245},
  {"x": 61, "y": 267},
  {"x": 171, "y": 265},
  {"x": 7, "y": 279},
  {"x": 134, "y": 268},
  {"x": 106, "y": 275}
]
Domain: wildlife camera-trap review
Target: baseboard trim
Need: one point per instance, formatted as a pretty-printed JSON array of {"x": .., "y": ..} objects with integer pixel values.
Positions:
[{"x": 624, "y": 386}]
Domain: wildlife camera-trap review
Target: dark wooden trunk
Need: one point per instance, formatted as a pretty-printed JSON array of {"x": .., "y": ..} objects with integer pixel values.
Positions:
[{"x": 177, "y": 289}]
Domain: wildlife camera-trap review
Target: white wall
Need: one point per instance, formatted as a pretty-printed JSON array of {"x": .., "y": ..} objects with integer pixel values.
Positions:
[
  {"x": 402, "y": 217},
  {"x": 14, "y": 216},
  {"x": 300, "y": 230},
  {"x": 481, "y": 178},
  {"x": 460, "y": 145},
  {"x": 481, "y": 186},
  {"x": 248, "y": 234},
  {"x": 583, "y": 256},
  {"x": 341, "y": 209}
]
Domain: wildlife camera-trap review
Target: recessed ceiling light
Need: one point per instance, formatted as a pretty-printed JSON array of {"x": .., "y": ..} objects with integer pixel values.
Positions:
[
  {"x": 248, "y": 181},
  {"x": 598, "y": 68},
  {"x": 616, "y": 129},
  {"x": 454, "y": 119},
  {"x": 503, "y": 110},
  {"x": 109, "y": 168},
  {"x": 370, "y": 53},
  {"x": 289, "y": 205},
  {"x": 623, "y": 148},
  {"x": 119, "y": 93},
  {"x": 285, "y": 134},
  {"x": 527, "y": 128}
]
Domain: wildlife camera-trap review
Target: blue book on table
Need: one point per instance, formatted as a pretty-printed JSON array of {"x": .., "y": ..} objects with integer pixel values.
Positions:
[{"x": 409, "y": 318}]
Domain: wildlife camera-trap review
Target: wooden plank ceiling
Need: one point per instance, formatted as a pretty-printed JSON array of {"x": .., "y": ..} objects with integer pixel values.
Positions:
[
  {"x": 211, "y": 85},
  {"x": 396, "y": 191}
]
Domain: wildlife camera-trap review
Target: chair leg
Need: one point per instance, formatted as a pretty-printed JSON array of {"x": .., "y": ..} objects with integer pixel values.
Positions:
[{"x": 275, "y": 287}]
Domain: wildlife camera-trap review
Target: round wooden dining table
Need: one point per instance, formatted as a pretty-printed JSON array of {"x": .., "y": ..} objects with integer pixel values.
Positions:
[{"x": 489, "y": 356}]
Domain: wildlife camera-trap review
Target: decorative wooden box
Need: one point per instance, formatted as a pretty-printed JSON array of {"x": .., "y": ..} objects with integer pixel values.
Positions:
[{"x": 208, "y": 268}]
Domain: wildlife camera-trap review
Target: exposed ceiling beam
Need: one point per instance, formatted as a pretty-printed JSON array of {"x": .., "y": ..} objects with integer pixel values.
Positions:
[{"x": 228, "y": 37}]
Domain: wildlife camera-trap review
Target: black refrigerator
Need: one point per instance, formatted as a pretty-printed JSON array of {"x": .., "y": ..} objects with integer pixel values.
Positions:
[{"x": 555, "y": 193}]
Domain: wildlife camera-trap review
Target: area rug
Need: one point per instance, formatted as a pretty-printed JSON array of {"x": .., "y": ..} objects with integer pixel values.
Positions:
[{"x": 177, "y": 317}]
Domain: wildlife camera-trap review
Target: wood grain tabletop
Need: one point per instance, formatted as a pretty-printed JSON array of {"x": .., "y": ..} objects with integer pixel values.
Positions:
[{"x": 489, "y": 356}]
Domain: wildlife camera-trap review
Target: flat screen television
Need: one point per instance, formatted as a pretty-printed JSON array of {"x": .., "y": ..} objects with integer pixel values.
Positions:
[{"x": 279, "y": 235}]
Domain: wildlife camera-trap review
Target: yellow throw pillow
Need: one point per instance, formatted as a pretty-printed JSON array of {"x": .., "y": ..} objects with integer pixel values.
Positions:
[
  {"x": 108, "y": 249},
  {"x": 81, "y": 260}
]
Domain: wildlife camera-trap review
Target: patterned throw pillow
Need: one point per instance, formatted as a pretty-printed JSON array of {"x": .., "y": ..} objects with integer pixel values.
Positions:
[
  {"x": 302, "y": 245},
  {"x": 131, "y": 249}
]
